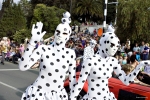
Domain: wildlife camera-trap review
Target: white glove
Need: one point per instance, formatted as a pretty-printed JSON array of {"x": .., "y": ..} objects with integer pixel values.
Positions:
[{"x": 37, "y": 33}]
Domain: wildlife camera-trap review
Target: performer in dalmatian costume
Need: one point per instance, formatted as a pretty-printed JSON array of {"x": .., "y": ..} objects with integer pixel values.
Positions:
[
  {"x": 98, "y": 69},
  {"x": 55, "y": 61},
  {"x": 110, "y": 28},
  {"x": 89, "y": 50}
]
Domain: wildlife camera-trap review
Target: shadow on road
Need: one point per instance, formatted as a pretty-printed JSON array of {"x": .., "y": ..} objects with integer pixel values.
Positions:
[{"x": 2, "y": 98}]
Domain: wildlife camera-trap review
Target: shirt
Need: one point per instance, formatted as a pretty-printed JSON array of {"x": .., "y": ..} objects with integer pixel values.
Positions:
[{"x": 147, "y": 69}]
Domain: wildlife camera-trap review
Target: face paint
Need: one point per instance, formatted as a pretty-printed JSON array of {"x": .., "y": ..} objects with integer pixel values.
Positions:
[
  {"x": 62, "y": 33},
  {"x": 112, "y": 45},
  {"x": 92, "y": 43}
]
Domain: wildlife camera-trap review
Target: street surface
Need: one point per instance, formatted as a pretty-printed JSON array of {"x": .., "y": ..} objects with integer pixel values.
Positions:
[{"x": 13, "y": 82}]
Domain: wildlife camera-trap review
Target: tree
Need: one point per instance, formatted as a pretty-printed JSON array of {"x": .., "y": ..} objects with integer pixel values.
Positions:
[
  {"x": 26, "y": 7},
  {"x": 20, "y": 35},
  {"x": 89, "y": 8},
  {"x": 5, "y": 4},
  {"x": 12, "y": 20},
  {"x": 50, "y": 19},
  {"x": 27, "y": 10},
  {"x": 133, "y": 20}
]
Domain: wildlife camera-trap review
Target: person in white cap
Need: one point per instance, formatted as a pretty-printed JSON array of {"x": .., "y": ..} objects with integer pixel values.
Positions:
[{"x": 89, "y": 50}]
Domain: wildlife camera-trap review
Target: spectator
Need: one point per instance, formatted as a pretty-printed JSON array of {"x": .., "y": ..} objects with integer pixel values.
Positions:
[
  {"x": 4, "y": 51},
  {"x": 16, "y": 56},
  {"x": 0, "y": 51},
  {"x": 10, "y": 54},
  {"x": 78, "y": 64},
  {"x": 83, "y": 41},
  {"x": 138, "y": 57},
  {"x": 128, "y": 41},
  {"x": 136, "y": 48},
  {"x": 142, "y": 49},
  {"x": 124, "y": 61},
  {"x": 127, "y": 47},
  {"x": 21, "y": 49},
  {"x": 86, "y": 31},
  {"x": 146, "y": 52},
  {"x": 147, "y": 70}
]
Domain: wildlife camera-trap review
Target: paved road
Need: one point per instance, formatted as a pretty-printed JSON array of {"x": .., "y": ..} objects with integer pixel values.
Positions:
[{"x": 13, "y": 81}]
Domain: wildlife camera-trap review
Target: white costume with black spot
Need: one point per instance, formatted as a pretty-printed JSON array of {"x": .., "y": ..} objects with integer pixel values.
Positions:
[
  {"x": 89, "y": 50},
  {"x": 98, "y": 69},
  {"x": 110, "y": 28},
  {"x": 55, "y": 61}
]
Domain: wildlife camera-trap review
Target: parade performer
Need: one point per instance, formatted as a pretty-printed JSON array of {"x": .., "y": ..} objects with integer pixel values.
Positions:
[
  {"x": 55, "y": 61},
  {"x": 110, "y": 28},
  {"x": 98, "y": 69},
  {"x": 89, "y": 50}
]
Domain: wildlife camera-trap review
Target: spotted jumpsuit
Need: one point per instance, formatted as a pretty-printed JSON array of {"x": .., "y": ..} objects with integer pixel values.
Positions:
[
  {"x": 55, "y": 61},
  {"x": 88, "y": 52},
  {"x": 97, "y": 70}
]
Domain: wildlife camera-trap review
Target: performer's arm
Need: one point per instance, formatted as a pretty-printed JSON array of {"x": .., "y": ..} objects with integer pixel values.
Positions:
[
  {"x": 85, "y": 54},
  {"x": 72, "y": 71},
  {"x": 29, "y": 58},
  {"x": 127, "y": 79},
  {"x": 87, "y": 65}
]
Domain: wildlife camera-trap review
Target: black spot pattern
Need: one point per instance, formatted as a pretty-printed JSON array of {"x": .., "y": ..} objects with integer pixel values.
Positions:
[
  {"x": 97, "y": 70},
  {"x": 54, "y": 63}
]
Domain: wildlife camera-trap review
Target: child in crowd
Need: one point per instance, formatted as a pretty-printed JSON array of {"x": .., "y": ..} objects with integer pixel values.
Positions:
[
  {"x": 124, "y": 61},
  {"x": 78, "y": 64}
]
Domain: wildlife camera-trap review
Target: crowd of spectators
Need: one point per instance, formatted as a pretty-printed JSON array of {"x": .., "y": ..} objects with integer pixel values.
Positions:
[{"x": 10, "y": 51}]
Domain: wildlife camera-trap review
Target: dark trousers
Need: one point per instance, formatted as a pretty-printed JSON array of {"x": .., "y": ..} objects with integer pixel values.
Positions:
[
  {"x": 3, "y": 57},
  {"x": 145, "y": 56}
]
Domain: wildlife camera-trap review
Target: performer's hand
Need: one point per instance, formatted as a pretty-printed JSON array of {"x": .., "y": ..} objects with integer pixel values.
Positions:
[
  {"x": 145, "y": 62},
  {"x": 37, "y": 33}
]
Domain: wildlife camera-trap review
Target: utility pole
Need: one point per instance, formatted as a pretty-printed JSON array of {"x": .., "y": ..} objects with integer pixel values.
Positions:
[
  {"x": 70, "y": 6},
  {"x": 105, "y": 14}
]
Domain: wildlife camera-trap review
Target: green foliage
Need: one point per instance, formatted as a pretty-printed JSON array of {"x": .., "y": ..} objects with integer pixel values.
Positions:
[
  {"x": 16, "y": 18},
  {"x": 12, "y": 20},
  {"x": 49, "y": 16},
  {"x": 58, "y": 11},
  {"x": 26, "y": 7},
  {"x": 89, "y": 8},
  {"x": 133, "y": 20},
  {"x": 21, "y": 35}
]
